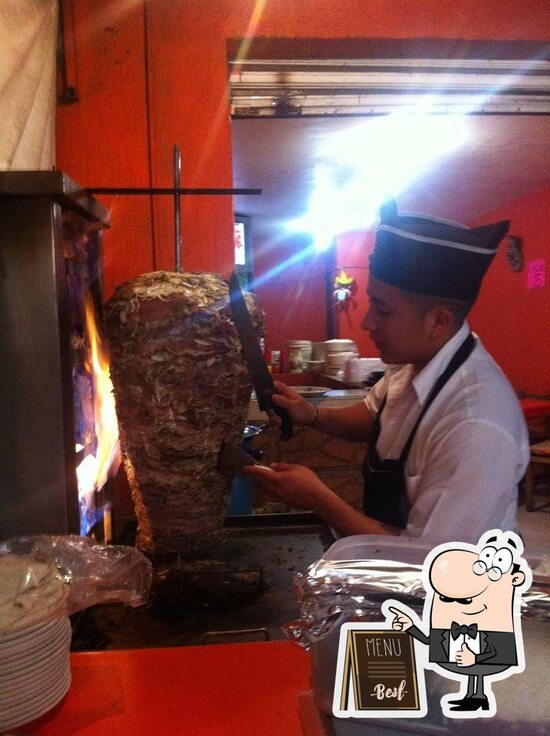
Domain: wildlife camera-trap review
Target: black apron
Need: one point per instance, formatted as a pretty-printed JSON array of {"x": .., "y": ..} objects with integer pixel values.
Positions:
[{"x": 385, "y": 496}]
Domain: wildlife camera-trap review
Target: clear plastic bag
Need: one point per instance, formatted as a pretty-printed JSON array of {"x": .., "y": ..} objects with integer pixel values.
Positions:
[{"x": 46, "y": 577}]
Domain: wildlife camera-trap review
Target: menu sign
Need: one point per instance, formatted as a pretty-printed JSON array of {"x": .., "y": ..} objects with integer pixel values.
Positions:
[{"x": 377, "y": 674}]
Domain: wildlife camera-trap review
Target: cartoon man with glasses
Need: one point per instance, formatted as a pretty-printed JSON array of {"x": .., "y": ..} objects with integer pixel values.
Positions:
[{"x": 473, "y": 603}]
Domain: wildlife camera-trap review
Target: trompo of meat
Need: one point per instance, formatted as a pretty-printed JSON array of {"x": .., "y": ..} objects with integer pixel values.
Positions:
[{"x": 181, "y": 387}]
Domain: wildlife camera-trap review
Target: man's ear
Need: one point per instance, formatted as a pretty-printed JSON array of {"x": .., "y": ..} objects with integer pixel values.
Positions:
[
  {"x": 440, "y": 320},
  {"x": 518, "y": 578}
]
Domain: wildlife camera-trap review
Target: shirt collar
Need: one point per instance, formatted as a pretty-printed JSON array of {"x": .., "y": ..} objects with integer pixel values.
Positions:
[{"x": 423, "y": 382}]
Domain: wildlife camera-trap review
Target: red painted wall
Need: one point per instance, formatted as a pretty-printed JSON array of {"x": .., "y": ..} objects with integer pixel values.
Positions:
[
  {"x": 102, "y": 140},
  {"x": 353, "y": 251},
  {"x": 153, "y": 74},
  {"x": 291, "y": 289},
  {"x": 512, "y": 319}
]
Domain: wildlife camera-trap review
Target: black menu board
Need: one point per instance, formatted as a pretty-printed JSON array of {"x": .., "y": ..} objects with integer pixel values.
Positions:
[{"x": 377, "y": 672}]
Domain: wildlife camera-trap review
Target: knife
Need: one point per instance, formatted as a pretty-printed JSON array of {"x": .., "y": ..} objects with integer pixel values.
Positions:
[
  {"x": 257, "y": 367},
  {"x": 233, "y": 459}
]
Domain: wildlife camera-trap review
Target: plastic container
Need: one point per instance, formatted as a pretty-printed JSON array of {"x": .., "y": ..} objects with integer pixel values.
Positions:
[
  {"x": 358, "y": 370},
  {"x": 275, "y": 361},
  {"x": 240, "y": 497}
]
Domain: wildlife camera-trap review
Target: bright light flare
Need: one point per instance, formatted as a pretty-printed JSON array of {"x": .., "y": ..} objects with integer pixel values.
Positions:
[{"x": 360, "y": 167}]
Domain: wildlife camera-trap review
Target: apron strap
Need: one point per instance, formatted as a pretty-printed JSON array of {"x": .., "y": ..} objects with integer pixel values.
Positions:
[{"x": 456, "y": 361}]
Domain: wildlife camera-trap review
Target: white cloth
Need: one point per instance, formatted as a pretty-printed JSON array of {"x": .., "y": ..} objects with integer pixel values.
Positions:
[
  {"x": 28, "y": 32},
  {"x": 471, "y": 448}
]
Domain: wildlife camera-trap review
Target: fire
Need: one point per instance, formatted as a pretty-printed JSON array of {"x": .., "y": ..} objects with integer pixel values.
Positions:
[{"x": 93, "y": 471}]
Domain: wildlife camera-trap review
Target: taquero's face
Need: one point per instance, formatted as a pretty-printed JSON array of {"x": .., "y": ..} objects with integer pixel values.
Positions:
[
  {"x": 467, "y": 597},
  {"x": 395, "y": 324}
]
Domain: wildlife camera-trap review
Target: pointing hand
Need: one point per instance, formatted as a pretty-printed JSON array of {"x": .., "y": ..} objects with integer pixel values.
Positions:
[{"x": 401, "y": 622}]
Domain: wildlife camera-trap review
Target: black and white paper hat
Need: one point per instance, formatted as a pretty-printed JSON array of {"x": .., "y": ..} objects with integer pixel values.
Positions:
[{"x": 426, "y": 255}]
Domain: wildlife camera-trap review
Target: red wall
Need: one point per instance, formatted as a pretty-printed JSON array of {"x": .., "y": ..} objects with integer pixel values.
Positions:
[
  {"x": 153, "y": 74},
  {"x": 353, "y": 251},
  {"x": 291, "y": 289},
  {"x": 102, "y": 140},
  {"x": 512, "y": 319}
]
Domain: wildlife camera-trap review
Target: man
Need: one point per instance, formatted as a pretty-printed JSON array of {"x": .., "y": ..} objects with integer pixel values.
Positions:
[
  {"x": 473, "y": 616},
  {"x": 447, "y": 441}
]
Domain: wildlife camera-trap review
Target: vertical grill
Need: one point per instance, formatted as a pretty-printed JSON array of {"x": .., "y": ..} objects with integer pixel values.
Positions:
[{"x": 50, "y": 257}]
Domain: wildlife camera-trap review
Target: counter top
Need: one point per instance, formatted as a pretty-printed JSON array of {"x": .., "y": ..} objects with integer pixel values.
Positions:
[{"x": 211, "y": 690}]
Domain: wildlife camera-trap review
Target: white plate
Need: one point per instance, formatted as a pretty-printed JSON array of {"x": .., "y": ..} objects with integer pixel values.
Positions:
[
  {"x": 309, "y": 391},
  {"x": 30, "y": 647},
  {"x": 14, "y": 670},
  {"x": 38, "y": 631},
  {"x": 14, "y": 717},
  {"x": 36, "y": 684}
]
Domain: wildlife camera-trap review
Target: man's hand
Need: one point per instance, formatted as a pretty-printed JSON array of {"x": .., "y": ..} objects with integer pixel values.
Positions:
[
  {"x": 299, "y": 410},
  {"x": 465, "y": 657},
  {"x": 296, "y": 485},
  {"x": 401, "y": 622}
]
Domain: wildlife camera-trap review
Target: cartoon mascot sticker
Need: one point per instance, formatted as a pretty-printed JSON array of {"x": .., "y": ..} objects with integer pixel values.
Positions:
[{"x": 471, "y": 625}]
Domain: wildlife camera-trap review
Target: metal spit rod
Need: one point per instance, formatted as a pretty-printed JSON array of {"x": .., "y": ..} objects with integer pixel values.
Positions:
[
  {"x": 159, "y": 190},
  {"x": 177, "y": 215},
  {"x": 176, "y": 191}
]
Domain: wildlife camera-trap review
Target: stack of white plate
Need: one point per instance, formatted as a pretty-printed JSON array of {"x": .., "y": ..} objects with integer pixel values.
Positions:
[
  {"x": 34, "y": 671},
  {"x": 340, "y": 346}
]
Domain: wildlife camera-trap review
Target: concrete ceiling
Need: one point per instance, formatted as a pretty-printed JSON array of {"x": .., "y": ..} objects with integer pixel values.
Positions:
[{"x": 506, "y": 156}]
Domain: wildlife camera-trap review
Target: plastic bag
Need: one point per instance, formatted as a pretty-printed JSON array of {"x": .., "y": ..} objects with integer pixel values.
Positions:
[{"x": 46, "y": 577}]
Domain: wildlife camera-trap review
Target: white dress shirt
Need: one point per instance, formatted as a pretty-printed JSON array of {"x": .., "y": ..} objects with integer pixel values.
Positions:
[{"x": 471, "y": 448}]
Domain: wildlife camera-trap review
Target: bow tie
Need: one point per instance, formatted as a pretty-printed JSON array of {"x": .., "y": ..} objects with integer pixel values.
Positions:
[{"x": 457, "y": 629}]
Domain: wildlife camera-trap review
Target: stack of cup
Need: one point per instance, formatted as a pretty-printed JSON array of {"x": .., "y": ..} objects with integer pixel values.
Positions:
[
  {"x": 337, "y": 353},
  {"x": 318, "y": 351},
  {"x": 299, "y": 353}
]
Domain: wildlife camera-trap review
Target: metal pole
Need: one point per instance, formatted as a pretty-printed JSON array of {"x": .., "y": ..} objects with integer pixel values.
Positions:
[
  {"x": 182, "y": 191},
  {"x": 177, "y": 215}
]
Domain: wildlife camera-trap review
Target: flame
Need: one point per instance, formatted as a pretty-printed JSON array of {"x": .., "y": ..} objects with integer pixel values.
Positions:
[{"x": 93, "y": 471}]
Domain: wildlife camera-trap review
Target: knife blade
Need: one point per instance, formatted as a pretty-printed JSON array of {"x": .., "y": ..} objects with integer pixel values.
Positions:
[
  {"x": 233, "y": 459},
  {"x": 257, "y": 367}
]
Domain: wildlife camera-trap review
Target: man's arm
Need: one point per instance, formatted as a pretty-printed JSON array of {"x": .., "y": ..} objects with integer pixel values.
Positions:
[
  {"x": 350, "y": 423},
  {"x": 300, "y": 487}
]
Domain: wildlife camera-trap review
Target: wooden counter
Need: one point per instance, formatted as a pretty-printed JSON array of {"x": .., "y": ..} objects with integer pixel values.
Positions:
[{"x": 214, "y": 690}]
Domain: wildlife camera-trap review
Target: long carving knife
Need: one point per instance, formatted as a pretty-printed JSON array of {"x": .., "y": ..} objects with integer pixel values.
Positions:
[{"x": 257, "y": 367}]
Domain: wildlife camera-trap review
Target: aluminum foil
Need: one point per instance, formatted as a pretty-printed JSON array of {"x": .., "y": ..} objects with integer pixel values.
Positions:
[{"x": 332, "y": 592}]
